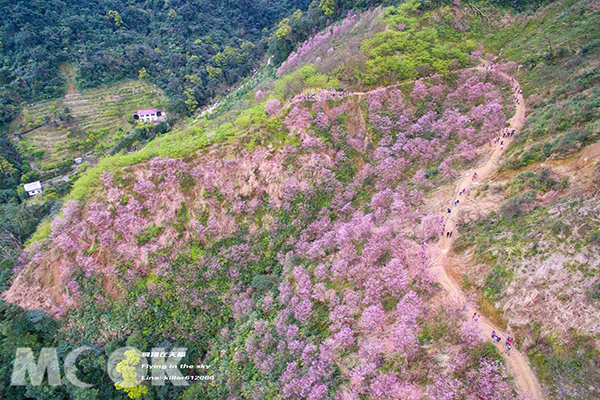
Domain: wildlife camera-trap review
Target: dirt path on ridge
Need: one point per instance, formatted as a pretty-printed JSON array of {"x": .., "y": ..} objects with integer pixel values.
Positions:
[{"x": 517, "y": 362}]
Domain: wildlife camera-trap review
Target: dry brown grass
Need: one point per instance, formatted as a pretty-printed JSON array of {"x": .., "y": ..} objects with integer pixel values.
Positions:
[{"x": 492, "y": 313}]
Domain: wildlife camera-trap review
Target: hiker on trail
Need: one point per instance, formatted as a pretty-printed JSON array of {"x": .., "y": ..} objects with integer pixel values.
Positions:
[
  {"x": 475, "y": 317},
  {"x": 495, "y": 338},
  {"x": 449, "y": 211},
  {"x": 456, "y": 202},
  {"x": 475, "y": 175},
  {"x": 448, "y": 234},
  {"x": 508, "y": 345},
  {"x": 451, "y": 233}
]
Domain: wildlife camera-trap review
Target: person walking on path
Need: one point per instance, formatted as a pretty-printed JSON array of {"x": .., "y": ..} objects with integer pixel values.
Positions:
[{"x": 495, "y": 338}]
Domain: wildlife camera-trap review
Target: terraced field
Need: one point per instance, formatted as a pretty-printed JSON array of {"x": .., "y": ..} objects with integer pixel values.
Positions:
[{"x": 93, "y": 120}]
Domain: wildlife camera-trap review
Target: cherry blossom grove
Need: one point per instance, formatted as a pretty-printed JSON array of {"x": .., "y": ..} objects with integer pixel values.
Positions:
[{"x": 300, "y": 263}]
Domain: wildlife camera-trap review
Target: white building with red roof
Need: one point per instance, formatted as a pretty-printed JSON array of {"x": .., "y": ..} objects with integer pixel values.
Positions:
[{"x": 150, "y": 115}]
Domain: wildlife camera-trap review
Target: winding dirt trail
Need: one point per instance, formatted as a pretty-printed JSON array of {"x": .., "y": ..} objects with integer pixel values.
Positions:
[{"x": 517, "y": 362}]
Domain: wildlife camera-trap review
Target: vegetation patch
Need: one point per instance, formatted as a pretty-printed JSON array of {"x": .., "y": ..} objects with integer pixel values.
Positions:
[{"x": 93, "y": 121}]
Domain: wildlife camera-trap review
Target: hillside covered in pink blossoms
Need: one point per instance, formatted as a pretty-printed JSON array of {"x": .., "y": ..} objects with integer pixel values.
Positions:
[
  {"x": 400, "y": 202},
  {"x": 299, "y": 265}
]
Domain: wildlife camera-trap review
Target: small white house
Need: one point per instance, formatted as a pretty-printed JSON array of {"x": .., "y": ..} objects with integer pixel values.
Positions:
[
  {"x": 33, "y": 188},
  {"x": 150, "y": 115}
]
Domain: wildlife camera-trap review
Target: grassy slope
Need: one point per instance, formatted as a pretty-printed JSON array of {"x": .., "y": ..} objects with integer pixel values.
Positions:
[{"x": 559, "y": 48}]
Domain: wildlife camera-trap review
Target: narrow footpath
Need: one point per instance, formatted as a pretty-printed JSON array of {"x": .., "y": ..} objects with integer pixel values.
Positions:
[{"x": 518, "y": 364}]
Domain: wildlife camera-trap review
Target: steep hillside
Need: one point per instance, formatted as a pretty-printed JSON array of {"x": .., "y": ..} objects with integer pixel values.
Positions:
[
  {"x": 350, "y": 225},
  {"x": 530, "y": 249},
  {"x": 290, "y": 257}
]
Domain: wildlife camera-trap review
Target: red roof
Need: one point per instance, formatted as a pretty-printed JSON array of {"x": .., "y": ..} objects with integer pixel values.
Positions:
[{"x": 148, "y": 111}]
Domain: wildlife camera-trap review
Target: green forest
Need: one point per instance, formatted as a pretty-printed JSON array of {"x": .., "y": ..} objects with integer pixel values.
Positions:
[{"x": 190, "y": 48}]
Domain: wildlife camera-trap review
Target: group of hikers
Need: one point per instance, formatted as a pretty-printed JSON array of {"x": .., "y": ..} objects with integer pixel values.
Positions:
[
  {"x": 508, "y": 344},
  {"x": 506, "y": 133},
  {"x": 495, "y": 338},
  {"x": 456, "y": 203},
  {"x": 518, "y": 91}
]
